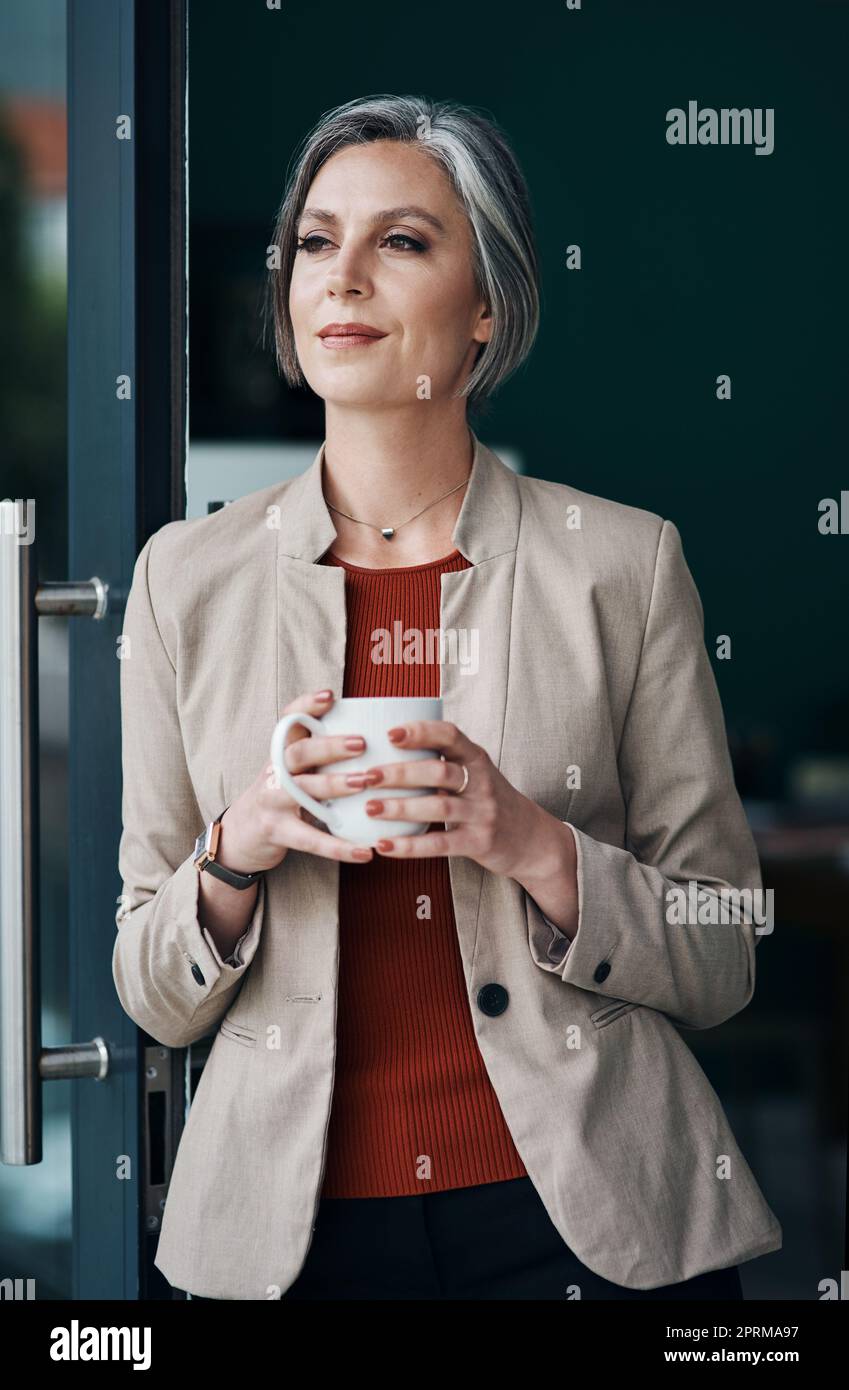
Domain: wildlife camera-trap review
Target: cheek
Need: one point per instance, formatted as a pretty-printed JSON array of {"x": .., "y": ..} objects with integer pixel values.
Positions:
[
  {"x": 455, "y": 301},
  {"x": 438, "y": 315},
  {"x": 302, "y": 292},
  {"x": 295, "y": 298}
]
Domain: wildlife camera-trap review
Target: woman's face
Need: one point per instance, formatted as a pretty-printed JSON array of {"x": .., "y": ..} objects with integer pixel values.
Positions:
[{"x": 384, "y": 242}]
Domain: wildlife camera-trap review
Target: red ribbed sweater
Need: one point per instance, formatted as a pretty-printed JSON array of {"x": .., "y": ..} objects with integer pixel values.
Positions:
[{"x": 413, "y": 1108}]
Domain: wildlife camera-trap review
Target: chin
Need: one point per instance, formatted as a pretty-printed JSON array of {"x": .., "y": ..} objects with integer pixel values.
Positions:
[{"x": 359, "y": 389}]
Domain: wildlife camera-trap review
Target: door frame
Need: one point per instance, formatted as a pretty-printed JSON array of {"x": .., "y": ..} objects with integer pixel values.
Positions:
[{"x": 127, "y": 318}]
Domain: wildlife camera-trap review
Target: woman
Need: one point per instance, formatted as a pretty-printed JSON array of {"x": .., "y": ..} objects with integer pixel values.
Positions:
[{"x": 449, "y": 1066}]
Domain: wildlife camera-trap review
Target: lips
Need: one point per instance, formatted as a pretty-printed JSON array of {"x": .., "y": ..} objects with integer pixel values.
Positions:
[{"x": 349, "y": 334}]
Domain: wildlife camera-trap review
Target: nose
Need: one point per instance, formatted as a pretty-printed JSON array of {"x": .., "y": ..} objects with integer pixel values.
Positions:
[{"x": 348, "y": 274}]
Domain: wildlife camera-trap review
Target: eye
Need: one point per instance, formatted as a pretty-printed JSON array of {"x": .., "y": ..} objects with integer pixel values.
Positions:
[
  {"x": 315, "y": 243},
  {"x": 417, "y": 246},
  {"x": 310, "y": 243}
]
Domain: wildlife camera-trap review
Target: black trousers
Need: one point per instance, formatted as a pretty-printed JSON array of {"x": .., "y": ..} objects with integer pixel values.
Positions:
[{"x": 492, "y": 1241}]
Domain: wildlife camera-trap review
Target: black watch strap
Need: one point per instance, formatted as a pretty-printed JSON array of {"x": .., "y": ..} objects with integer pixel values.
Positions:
[{"x": 205, "y": 861}]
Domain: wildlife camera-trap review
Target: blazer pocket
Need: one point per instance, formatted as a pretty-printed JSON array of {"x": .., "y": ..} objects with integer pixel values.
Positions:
[
  {"x": 238, "y": 1032},
  {"x": 616, "y": 1008}
]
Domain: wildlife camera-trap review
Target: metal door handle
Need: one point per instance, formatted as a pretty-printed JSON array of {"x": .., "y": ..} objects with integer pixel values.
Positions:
[{"x": 24, "y": 1061}]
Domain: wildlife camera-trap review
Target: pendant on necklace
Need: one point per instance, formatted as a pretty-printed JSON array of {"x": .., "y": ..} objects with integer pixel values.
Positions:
[{"x": 387, "y": 532}]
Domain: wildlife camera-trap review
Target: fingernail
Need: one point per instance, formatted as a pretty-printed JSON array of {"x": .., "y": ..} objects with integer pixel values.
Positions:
[
  {"x": 373, "y": 807},
  {"x": 383, "y": 845},
  {"x": 396, "y": 735},
  {"x": 361, "y": 853},
  {"x": 323, "y": 694},
  {"x": 355, "y": 741}
]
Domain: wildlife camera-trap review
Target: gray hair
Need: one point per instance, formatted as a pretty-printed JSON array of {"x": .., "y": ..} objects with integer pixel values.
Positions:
[{"x": 486, "y": 177}]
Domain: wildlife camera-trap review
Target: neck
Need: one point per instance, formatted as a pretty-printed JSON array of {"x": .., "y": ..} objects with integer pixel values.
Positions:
[{"x": 383, "y": 468}]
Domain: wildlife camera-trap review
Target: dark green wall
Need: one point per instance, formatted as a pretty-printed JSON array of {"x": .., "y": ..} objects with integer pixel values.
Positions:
[{"x": 697, "y": 261}]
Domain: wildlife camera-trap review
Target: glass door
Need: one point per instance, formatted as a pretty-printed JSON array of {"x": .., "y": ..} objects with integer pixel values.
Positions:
[
  {"x": 35, "y": 1198},
  {"x": 92, "y": 414}
]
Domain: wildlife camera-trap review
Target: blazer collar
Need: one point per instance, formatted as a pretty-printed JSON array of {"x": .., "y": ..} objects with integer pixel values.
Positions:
[{"x": 487, "y": 523}]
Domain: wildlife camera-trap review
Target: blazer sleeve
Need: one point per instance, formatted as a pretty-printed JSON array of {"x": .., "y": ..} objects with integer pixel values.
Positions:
[
  {"x": 686, "y": 831},
  {"x": 169, "y": 974}
]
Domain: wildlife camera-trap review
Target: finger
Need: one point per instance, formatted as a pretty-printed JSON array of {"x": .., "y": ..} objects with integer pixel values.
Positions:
[
  {"x": 311, "y": 841},
  {"x": 320, "y": 749},
  {"x": 323, "y": 786},
  {"x": 438, "y": 842},
  {"x": 309, "y": 703},
  {"x": 320, "y": 785},
  {"x": 437, "y": 734},
  {"x": 439, "y": 807},
  {"x": 421, "y": 772}
]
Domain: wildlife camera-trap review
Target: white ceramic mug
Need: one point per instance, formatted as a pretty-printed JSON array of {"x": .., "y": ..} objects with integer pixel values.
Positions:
[{"x": 346, "y": 816}]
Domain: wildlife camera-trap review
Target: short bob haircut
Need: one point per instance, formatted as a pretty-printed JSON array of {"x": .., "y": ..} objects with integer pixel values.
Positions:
[{"x": 490, "y": 186}]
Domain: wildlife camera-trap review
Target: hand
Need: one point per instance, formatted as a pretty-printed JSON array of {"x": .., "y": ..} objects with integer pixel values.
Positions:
[
  {"x": 491, "y": 822},
  {"x": 265, "y": 822}
]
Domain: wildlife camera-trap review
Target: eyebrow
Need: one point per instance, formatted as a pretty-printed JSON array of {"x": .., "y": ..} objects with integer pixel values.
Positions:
[{"x": 387, "y": 215}]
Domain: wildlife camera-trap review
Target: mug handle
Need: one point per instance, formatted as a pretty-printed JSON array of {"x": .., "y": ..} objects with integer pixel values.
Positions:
[{"x": 284, "y": 776}]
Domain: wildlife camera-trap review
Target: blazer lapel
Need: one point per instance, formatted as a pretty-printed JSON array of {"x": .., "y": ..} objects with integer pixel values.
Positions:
[{"x": 475, "y": 612}]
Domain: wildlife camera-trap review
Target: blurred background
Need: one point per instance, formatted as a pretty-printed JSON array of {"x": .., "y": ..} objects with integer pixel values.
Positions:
[{"x": 695, "y": 262}]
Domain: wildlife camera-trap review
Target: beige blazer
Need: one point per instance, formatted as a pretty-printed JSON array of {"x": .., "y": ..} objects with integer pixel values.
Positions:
[{"x": 594, "y": 695}]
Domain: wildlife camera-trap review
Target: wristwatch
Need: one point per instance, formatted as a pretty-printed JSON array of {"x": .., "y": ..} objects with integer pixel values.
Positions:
[{"x": 206, "y": 848}]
